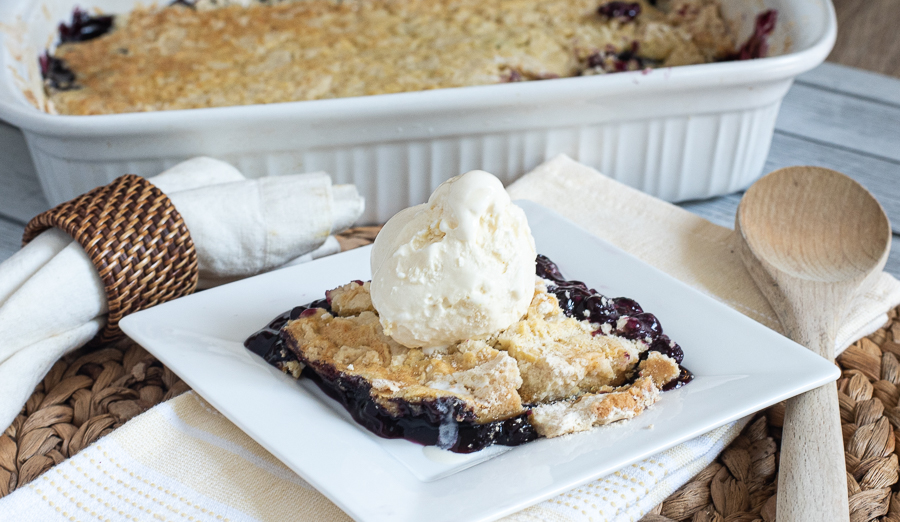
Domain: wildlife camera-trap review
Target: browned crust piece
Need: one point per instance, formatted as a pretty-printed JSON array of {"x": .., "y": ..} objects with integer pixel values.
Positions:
[
  {"x": 597, "y": 409},
  {"x": 561, "y": 357}
]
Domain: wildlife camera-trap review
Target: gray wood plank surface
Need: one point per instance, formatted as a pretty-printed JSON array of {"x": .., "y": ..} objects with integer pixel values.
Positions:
[
  {"x": 10, "y": 238},
  {"x": 720, "y": 211},
  {"x": 854, "y": 82},
  {"x": 842, "y": 121},
  {"x": 21, "y": 197}
]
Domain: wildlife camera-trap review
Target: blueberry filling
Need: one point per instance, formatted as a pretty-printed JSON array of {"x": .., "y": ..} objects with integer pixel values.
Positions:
[
  {"x": 267, "y": 342},
  {"x": 623, "y": 11},
  {"x": 444, "y": 421},
  {"x": 56, "y": 73},
  {"x": 684, "y": 377},
  {"x": 84, "y": 27},
  {"x": 612, "y": 60},
  {"x": 757, "y": 46}
]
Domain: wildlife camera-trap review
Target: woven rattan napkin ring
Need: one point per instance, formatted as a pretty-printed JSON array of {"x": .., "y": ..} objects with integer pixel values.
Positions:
[{"x": 136, "y": 240}]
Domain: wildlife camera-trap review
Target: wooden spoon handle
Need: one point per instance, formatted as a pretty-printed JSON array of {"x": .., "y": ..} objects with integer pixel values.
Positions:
[{"x": 812, "y": 481}]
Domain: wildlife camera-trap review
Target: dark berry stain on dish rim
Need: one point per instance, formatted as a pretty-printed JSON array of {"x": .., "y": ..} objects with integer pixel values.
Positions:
[
  {"x": 443, "y": 422},
  {"x": 84, "y": 27},
  {"x": 757, "y": 46}
]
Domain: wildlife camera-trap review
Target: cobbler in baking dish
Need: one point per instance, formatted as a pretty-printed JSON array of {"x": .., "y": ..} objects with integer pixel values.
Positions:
[
  {"x": 203, "y": 54},
  {"x": 575, "y": 360}
]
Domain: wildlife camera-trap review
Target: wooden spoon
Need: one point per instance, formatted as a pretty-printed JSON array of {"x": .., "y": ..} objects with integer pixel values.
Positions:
[{"x": 812, "y": 238}]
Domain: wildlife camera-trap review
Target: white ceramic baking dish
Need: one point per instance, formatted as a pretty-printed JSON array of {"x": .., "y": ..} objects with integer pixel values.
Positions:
[{"x": 678, "y": 133}]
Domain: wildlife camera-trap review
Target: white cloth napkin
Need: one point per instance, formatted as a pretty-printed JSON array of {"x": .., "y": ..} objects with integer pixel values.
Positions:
[
  {"x": 53, "y": 301},
  {"x": 183, "y": 459}
]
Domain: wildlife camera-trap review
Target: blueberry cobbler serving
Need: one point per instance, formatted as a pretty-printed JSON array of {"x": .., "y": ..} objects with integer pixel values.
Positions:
[
  {"x": 466, "y": 338},
  {"x": 214, "y": 53}
]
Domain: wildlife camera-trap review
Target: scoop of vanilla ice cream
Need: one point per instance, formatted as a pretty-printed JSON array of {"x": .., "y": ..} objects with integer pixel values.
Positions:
[{"x": 458, "y": 267}]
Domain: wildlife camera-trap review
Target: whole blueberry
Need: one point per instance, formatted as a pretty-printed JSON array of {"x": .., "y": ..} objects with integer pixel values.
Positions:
[
  {"x": 600, "y": 310},
  {"x": 631, "y": 329},
  {"x": 626, "y": 306},
  {"x": 651, "y": 324},
  {"x": 624, "y": 11}
]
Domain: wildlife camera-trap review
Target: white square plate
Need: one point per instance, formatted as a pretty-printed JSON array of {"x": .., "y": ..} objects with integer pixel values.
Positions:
[{"x": 739, "y": 367}]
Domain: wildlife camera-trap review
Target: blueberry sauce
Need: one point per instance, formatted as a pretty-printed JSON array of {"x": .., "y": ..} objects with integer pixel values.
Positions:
[
  {"x": 268, "y": 343},
  {"x": 56, "y": 73},
  {"x": 684, "y": 377},
  {"x": 623, "y": 11},
  {"x": 84, "y": 27},
  {"x": 612, "y": 60},
  {"x": 445, "y": 421},
  {"x": 757, "y": 46}
]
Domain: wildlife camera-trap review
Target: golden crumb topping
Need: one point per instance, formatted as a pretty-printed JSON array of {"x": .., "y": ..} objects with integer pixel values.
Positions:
[
  {"x": 181, "y": 58},
  {"x": 351, "y": 299}
]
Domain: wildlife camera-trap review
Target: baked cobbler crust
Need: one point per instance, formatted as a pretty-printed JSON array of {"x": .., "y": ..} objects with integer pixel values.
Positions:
[
  {"x": 565, "y": 374},
  {"x": 180, "y": 58}
]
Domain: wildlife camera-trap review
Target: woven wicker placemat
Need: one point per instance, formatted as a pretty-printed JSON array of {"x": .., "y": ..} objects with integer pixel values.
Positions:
[
  {"x": 740, "y": 485},
  {"x": 91, "y": 392}
]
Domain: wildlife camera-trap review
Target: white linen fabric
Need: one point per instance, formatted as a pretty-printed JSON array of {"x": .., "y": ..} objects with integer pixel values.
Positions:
[
  {"x": 183, "y": 459},
  {"x": 53, "y": 301}
]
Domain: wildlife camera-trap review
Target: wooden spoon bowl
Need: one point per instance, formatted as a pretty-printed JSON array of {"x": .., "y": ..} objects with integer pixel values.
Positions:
[
  {"x": 815, "y": 223},
  {"x": 812, "y": 238}
]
